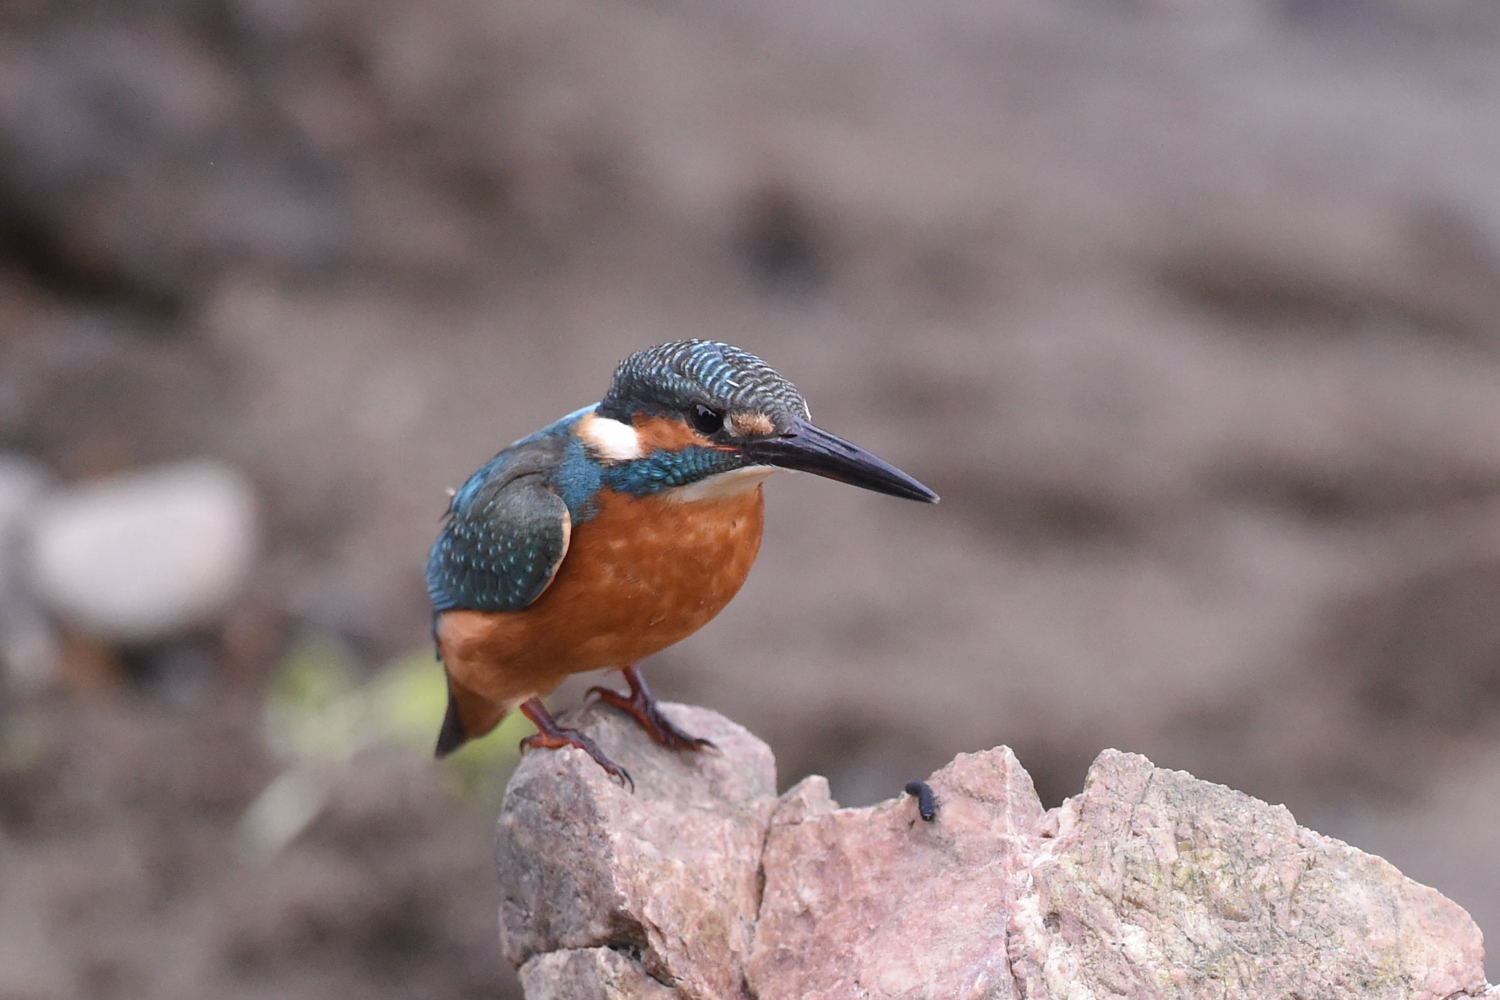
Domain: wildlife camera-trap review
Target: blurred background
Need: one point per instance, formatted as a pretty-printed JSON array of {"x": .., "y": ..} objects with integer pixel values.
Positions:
[{"x": 1191, "y": 312}]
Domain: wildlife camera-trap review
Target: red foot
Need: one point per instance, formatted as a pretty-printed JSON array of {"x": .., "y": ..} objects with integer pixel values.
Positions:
[
  {"x": 552, "y": 736},
  {"x": 641, "y": 706}
]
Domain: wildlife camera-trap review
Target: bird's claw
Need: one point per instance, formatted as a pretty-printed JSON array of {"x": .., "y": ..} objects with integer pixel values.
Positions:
[
  {"x": 645, "y": 711},
  {"x": 559, "y": 738}
]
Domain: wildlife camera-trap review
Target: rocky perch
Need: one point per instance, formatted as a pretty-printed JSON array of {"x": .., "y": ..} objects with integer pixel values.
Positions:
[{"x": 1149, "y": 883}]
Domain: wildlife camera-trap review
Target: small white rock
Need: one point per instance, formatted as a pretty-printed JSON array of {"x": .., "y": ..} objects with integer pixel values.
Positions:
[
  {"x": 143, "y": 556},
  {"x": 28, "y": 643},
  {"x": 22, "y": 483}
]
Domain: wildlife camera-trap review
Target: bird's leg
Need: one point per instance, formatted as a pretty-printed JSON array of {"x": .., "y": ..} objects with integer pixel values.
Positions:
[
  {"x": 552, "y": 736},
  {"x": 643, "y": 708}
]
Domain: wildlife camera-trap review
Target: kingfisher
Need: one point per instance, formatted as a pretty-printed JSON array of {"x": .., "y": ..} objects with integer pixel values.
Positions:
[{"x": 617, "y": 531}]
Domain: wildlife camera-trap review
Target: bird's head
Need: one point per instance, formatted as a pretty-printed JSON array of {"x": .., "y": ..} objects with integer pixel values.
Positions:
[{"x": 694, "y": 411}]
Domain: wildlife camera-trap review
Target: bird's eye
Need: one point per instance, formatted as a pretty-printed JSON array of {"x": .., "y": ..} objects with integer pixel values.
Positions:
[{"x": 705, "y": 419}]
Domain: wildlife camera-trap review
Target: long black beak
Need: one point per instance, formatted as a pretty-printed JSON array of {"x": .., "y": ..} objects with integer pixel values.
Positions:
[{"x": 809, "y": 448}]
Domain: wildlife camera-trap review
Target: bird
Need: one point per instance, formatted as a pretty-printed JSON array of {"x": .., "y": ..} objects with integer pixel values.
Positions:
[{"x": 617, "y": 531}]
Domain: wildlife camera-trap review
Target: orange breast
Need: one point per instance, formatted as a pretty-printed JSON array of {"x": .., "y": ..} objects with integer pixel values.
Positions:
[{"x": 643, "y": 573}]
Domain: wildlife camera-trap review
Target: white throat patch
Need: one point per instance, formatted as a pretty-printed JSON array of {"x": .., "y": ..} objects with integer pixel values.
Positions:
[
  {"x": 724, "y": 484},
  {"x": 612, "y": 440}
]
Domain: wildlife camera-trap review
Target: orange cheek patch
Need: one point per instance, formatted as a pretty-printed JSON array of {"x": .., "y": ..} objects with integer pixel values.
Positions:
[{"x": 666, "y": 434}]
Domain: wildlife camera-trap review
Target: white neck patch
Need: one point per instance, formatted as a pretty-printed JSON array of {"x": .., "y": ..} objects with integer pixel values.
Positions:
[
  {"x": 724, "y": 484},
  {"x": 612, "y": 440}
]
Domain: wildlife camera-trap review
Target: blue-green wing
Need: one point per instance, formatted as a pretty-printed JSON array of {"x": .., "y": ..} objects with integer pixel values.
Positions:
[{"x": 506, "y": 535}]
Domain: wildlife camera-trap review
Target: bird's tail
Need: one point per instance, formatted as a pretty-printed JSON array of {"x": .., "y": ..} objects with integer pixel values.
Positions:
[
  {"x": 451, "y": 736},
  {"x": 469, "y": 717}
]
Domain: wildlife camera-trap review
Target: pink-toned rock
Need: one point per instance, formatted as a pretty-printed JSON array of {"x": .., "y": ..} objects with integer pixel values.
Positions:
[
  {"x": 590, "y": 974},
  {"x": 1158, "y": 884},
  {"x": 874, "y": 901},
  {"x": 667, "y": 876},
  {"x": 1149, "y": 884}
]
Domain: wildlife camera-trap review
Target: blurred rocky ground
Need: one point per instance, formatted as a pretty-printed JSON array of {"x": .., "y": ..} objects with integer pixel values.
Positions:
[{"x": 1190, "y": 312}]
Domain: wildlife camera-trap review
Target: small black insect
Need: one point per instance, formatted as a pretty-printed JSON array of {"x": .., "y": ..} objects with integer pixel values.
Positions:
[{"x": 926, "y": 803}]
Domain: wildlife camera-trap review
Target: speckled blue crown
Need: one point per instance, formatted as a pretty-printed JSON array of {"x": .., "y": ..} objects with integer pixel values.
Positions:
[{"x": 671, "y": 377}]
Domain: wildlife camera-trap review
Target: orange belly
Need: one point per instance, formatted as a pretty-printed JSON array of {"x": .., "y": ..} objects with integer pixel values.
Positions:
[{"x": 643, "y": 573}]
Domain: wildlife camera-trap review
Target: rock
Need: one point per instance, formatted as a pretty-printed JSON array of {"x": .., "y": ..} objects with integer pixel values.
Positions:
[
  {"x": 589, "y": 974},
  {"x": 29, "y": 646},
  {"x": 1161, "y": 885},
  {"x": 1148, "y": 884},
  {"x": 876, "y": 899},
  {"x": 22, "y": 483},
  {"x": 143, "y": 556},
  {"x": 667, "y": 875}
]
